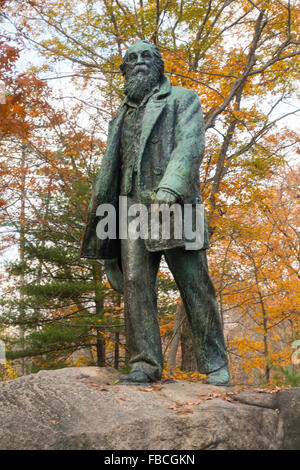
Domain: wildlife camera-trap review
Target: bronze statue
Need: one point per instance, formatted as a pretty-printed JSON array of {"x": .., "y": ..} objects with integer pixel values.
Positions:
[{"x": 154, "y": 149}]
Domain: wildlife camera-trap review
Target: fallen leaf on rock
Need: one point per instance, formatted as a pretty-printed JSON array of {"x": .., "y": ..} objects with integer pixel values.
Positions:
[
  {"x": 217, "y": 394},
  {"x": 184, "y": 411},
  {"x": 53, "y": 421},
  {"x": 179, "y": 403},
  {"x": 205, "y": 397},
  {"x": 116, "y": 390},
  {"x": 172, "y": 407},
  {"x": 122, "y": 398},
  {"x": 102, "y": 389},
  {"x": 266, "y": 390},
  {"x": 227, "y": 396},
  {"x": 151, "y": 389}
]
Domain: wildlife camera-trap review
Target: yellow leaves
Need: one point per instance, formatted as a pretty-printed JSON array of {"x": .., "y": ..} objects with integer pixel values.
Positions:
[
  {"x": 178, "y": 374},
  {"x": 105, "y": 335},
  {"x": 110, "y": 345},
  {"x": 163, "y": 275},
  {"x": 81, "y": 361},
  {"x": 166, "y": 328},
  {"x": 257, "y": 240},
  {"x": 7, "y": 371}
]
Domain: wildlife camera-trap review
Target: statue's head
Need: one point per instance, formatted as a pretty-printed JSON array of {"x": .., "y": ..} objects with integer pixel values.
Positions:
[
  {"x": 143, "y": 68},
  {"x": 142, "y": 50}
]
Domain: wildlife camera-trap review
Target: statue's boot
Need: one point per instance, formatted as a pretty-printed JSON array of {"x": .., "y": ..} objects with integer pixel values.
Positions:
[
  {"x": 219, "y": 377},
  {"x": 137, "y": 376}
]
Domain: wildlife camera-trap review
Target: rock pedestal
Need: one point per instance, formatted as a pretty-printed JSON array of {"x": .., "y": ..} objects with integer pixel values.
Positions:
[{"x": 81, "y": 408}]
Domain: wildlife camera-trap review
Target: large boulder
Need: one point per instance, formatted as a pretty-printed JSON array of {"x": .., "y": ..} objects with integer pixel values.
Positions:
[{"x": 82, "y": 408}]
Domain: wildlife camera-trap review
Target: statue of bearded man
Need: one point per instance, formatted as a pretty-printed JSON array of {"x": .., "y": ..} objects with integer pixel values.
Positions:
[{"x": 154, "y": 149}]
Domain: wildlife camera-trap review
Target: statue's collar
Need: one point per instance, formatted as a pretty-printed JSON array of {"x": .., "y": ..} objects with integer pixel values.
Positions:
[{"x": 164, "y": 88}]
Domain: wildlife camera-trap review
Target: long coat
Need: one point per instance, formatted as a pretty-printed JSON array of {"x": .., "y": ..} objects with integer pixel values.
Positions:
[{"x": 170, "y": 153}]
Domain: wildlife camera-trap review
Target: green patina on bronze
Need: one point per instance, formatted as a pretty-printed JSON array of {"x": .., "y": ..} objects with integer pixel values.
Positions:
[{"x": 154, "y": 149}]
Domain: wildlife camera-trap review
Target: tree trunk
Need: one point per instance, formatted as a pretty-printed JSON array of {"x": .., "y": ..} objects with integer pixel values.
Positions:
[
  {"x": 101, "y": 355},
  {"x": 117, "y": 352},
  {"x": 99, "y": 306},
  {"x": 22, "y": 249},
  {"x": 188, "y": 358},
  {"x": 176, "y": 333}
]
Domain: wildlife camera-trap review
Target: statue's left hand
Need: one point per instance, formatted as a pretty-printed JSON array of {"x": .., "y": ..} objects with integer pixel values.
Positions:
[{"x": 165, "y": 197}]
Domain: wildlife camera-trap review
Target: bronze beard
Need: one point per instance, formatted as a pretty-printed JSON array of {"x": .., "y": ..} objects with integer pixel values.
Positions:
[{"x": 139, "y": 84}]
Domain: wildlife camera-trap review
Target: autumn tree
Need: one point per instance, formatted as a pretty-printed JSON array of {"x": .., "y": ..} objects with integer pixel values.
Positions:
[
  {"x": 61, "y": 307},
  {"x": 258, "y": 281},
  {"x": 49, "y": 162}
]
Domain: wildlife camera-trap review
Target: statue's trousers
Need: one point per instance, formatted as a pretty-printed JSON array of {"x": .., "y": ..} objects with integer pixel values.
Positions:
[{"x": 190, "y": 272}]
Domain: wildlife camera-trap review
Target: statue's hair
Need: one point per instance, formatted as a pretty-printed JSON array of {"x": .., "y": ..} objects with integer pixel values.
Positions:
[{"x": 159, "y": 63}]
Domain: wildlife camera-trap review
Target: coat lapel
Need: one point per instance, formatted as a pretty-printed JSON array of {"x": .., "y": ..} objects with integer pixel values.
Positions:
[{"x": 153, "y": 110}]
